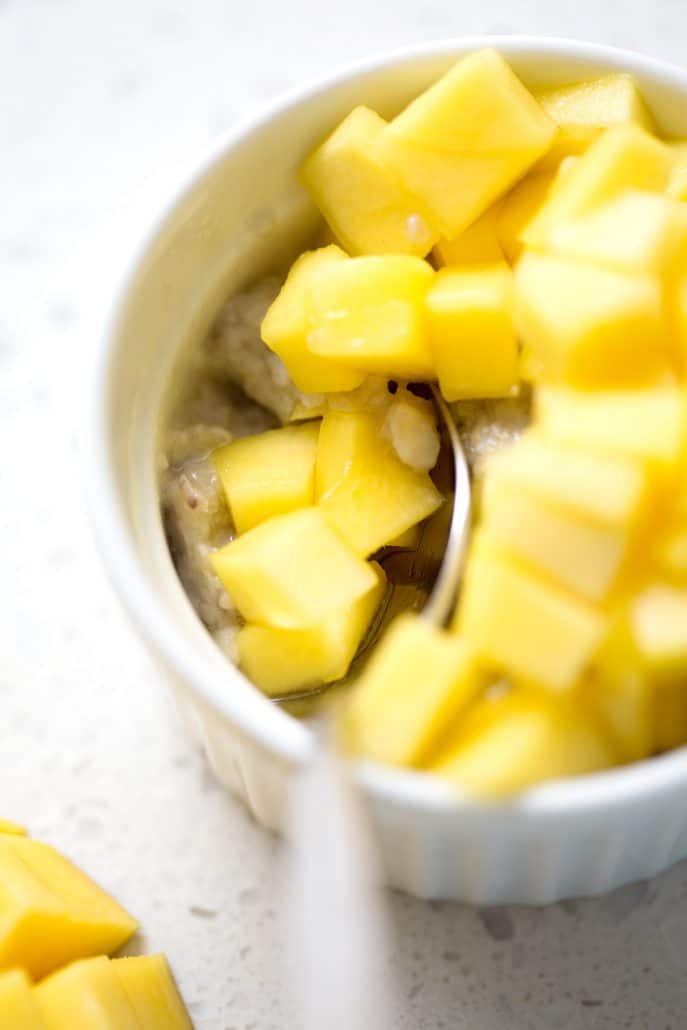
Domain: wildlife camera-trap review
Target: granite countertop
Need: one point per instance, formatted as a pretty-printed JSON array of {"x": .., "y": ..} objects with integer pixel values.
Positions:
[{"x": 98, "y": 98}]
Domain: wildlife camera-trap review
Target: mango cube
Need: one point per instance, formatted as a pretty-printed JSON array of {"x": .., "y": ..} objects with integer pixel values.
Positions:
[
  {"x": 50, "y": 912},
  {"x": 622, "y": 158},
  {"x": 18, "y": 1008},
  {"x": 292, "y": 571},
  {"x": 367, "y": 313},
  {"x": 283, "y": 661},
  {"x": 520, "y": 739},
  {"x": 466, "y": 140},
  {"x": 268, "y": 474},
  {"x": 523, "y": 625},
  {"x": 284, "y": 328},
  {"x": 151, "y": 991},
  {"x": 366, "y": 208},
  {"x": 363, "y": 488},
  {"x": 471, "y": 333},
  {"x": 517, "y": 209},
  {"x": 590, "y": 326},
  {"x": 583, "y": 110},
  {"x": 659, "y": 624},
  {"x": 477, "y": 245},
  {"x": 87, "y": 995},
  {"x": 417, "y": 682}
]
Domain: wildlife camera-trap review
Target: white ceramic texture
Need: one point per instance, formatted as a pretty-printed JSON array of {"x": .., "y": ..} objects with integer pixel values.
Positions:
[{"x": 569, "y": 838}]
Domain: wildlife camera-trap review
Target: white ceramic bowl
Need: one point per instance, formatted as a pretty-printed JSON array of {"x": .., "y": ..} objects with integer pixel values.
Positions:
[{"x": 572, "y": 837}]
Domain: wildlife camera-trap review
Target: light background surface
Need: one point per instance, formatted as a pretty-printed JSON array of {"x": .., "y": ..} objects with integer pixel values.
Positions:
[{"x": 97, "y": 102}]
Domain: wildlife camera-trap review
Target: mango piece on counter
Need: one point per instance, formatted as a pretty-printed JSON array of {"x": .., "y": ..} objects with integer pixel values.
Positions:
[
  {"x": 284, "y": 328},
  {"x": 50, "y": 912},
  {"x": 517, "y": 209},
  {"x": 577, "y": 553},
  {"x": 659, "y": 624},
  {"x": 363, "y": 488},
  {"x": 477, "y": 245},
  {"x": 645, "y": 424},
  {"x": 86, "y": 995},
  {"x": 519, "y": 739},
  {"x": 148, "y": 984},
  {"x": 268, "y": 474},
  {"x": 418, "y": 681},
  {"x": 471, "y": 332},
  {"x": 588, "y": 326},
  {"x": 368, "y": 210},
  {"x": 584, "y": 109},
  {"x": 636, "y": 231},
  {"x": 367, "y": 313},
  {"x": 18, "y": 1008},
  {"x": 7, "y": 827},
  {"x": 524, "y": 626},
  {"x": 292, "y": 571},
  {"x": 622, "y": 158},
  {"x": 677, "y": 180},
  {"x": 466, "y": 140},
  {"x": 283, "y": 661}
]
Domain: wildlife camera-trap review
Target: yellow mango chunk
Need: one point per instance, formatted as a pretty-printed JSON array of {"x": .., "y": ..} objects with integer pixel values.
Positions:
[
  {"x": 625, "y": 157},
  {"x": 18, "y": 1008},
  {"x": 292, "y": 571},
  {"x": 583, "y": 110},
  {"x": 268, "y": 474},
  {"x": 659, "y": 624},
  {"x": 609, "y": 490},
  {"x": 622, "y": 692},
  {"x": 7, "y": 827},
  {"x": 50, "y": 912},
  {"x": 418, "y": 681},
  {"x": 677, "y": 180},
  {"x": 584, "y": 557},
  {"x": 636, "y": 231},
  {"x": 646, "y": 424},
  {"x": 367, "y": 313},
  {"x": 477, "y": 245},
  {"x": 365, "y": 491},
  {"x": 520, "y": 739},
  {"x": 408, "y": 541},
  {"x": 525, "y": 626},
  {"x": 466, "y": 140},
  {"x": 471, "y": 333},
  {"x": 284, "y": 328},
  {"x": 671, "y": 555},
  {"x": 87, "y": 995},
  {"x": 283, "y": 661},
  {"x": 367, "y": 209},
  {"x": 148, "y": 984},
  {"x": 517, "y": 209},
  {"x": 590, "y": 326}
]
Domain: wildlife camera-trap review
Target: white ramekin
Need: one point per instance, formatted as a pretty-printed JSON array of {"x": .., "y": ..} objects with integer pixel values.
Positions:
[{"x": 567, "y": 838}]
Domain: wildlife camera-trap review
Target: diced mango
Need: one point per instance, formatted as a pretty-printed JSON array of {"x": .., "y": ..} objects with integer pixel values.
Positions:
[
  {"x": 368, "y": 210},
  {"x": 50, "y": 912},
  {"x": 519, "y": 739},
  {"x": 671, "y": 555},
  {"x": 366, "y": 492},
  {"x": 284, "y": 328},
  {"x": 18, "y": 1008},
  {"x": 148, "y": 984},
  {"x": 7, "y": 827},
  {"x": 418, "y": 681},
  {"x": 367, "y": 313},
  {"x": 283, "y": 661},
  {"x": 292, "y": 571},
  {"x": 677, "y": 180},
  {"x": 471, "y": 333},
  {"x": 622, "y": 158},
  {"x": 476, "y": 245},
  {"x": 659, "y": 624},
  {"x": 590, "y": 326},
  {"x": 524, "y": 626},
  {"x": 583, "y": 110},
  {"x": 87, "y": 995},
  {"x": 408, "y": 541},
  {"x": 584, "y": 557},
  {"x": 466, "y": 140},
  {"x": 268, "y": 474},
  {"x": 411, "y": 425},
  {"x": 517, "y": 209},
  {"x": 646, "y": 424}
]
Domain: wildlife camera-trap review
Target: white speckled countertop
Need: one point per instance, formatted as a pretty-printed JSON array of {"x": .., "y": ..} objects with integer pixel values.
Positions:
[{"x": 96, "y": 98}]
